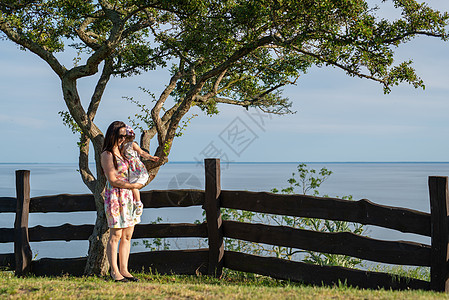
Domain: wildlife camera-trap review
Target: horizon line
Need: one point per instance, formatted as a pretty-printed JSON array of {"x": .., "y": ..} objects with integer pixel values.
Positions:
[{"x": 250, "y": 162}]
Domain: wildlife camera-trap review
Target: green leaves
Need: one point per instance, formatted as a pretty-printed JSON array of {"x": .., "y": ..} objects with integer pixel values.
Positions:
[
  {"x": 307, "y": 179},
  {"x": 68, "y": 121},
  {"x": 46, "y": 23},
  {"x": 401, "y": 73}
]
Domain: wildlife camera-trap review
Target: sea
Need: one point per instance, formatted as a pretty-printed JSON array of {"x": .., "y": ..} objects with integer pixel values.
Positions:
[{"x": 399, "y": 184}]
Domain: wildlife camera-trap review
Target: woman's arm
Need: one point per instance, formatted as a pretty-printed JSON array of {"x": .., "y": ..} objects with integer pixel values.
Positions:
[
  {"x": 107, "y": 164},
  {"x": 143, "y": 153}
]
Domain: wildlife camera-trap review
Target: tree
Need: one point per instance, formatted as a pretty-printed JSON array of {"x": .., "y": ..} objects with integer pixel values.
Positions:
[{"x": 232, "y": 52}]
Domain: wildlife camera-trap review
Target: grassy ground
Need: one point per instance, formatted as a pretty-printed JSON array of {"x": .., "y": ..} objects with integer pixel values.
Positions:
[{"x": 232, "y": 286}]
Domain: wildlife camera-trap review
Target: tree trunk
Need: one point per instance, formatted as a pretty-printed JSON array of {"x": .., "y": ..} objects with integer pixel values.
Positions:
[{"x": 97, "y": 261}]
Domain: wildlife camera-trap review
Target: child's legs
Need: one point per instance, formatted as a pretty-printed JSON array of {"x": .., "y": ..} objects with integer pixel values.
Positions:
[{"x": 138, "y": 206}]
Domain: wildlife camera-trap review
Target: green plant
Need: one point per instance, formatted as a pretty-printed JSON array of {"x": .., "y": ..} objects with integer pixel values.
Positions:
[
  {"x": 308, "y": 179},
  {"x": 305, "y": 180},
  {"x": 155, "y": 244},
  {"x": 422, "y": 273}
]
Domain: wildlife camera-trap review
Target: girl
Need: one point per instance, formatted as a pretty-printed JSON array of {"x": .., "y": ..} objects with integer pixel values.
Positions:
[
  {"x": 119, "y": 203},
  {"x": 137, "y": 173}
]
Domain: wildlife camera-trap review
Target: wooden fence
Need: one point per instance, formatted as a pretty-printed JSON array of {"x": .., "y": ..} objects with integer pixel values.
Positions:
[{"x": 213, "y": 259}]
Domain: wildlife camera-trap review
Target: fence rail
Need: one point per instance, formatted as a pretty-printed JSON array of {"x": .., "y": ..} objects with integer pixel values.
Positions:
[
  {"x": 189, "y": 262},
  {"x": 8, "y": 204},
  {"x": 318, "y": 275},
  {"x": 346, "y": 243},
  {"x": 213, "y": 259},
  {"x": 361, "y": 211}
]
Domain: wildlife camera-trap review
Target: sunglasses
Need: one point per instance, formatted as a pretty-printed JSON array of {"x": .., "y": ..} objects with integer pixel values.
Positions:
[{"x": 122, "y": 136}]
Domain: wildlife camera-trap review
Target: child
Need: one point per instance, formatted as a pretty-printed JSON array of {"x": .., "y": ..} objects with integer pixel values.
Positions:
[{"x": 137, "y": 173}]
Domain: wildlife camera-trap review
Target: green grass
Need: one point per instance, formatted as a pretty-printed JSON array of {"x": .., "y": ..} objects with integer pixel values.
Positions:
[
  {"x": 233, "y": 285},
  {"x": 422, "y": 273}
]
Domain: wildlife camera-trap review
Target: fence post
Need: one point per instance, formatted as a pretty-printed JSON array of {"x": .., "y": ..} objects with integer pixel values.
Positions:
[
  {"x": 439, "y": 209},
  {"x": 213, "y": 216},
  {"x": 22, "y": 249}
]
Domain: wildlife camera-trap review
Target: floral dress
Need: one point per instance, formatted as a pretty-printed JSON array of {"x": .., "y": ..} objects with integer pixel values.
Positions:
[{"x": 122, "y": 210}]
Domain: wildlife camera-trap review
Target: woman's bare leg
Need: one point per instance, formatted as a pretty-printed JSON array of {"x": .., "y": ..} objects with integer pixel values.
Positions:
[
  {"x": 111, "y": 251},
  {"x": 124, "y": 249}
]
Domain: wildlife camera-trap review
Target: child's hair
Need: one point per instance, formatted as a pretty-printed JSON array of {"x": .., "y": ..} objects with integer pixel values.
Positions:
[{"x": 129, "y": 134}]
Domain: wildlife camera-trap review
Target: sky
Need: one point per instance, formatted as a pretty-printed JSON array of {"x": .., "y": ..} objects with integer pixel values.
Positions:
[{"x": 338, "y": 118}]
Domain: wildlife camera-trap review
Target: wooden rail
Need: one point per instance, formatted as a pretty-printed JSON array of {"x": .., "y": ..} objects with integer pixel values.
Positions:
[
  {"x": 318, "y": 275},
  {"x": 347, "y": 243},
  {"x": 85, "y": 202},
  {"x": 8, "y": 204},
  {"x": 189, "y": 262},
  {"x": 212, "y": 260},
  {"x": 8, "y": 260},
  {"x": 362, "y": 211}
]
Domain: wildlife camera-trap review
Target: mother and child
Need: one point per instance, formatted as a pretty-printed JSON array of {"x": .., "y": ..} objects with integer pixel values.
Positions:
[{"x": 126, "y": 174}]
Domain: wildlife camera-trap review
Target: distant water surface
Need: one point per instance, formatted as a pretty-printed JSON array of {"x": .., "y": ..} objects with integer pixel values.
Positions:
[{"x": 394, "y": 184}]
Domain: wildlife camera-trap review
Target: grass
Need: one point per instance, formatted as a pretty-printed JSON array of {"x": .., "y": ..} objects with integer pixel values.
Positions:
[
  {"x": 422, "y": 273},
  {"x": 233, "y": 285}
]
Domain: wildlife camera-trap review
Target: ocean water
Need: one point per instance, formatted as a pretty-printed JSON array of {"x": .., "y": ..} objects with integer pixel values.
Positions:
[{"x": 394, "y": 184}]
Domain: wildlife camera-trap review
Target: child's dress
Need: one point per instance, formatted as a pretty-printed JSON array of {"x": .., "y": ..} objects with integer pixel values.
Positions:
[{"x": 137, "y": 173}]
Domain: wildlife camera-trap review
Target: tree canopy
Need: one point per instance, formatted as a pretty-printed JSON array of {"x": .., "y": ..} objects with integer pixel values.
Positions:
[{"x": 235, "y": 52}]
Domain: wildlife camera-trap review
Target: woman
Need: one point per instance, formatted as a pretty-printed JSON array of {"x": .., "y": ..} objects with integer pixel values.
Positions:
[{"x": 119, "y": 203}]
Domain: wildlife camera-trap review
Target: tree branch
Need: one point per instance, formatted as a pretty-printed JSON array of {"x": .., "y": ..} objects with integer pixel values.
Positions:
[
  {"x": 160, "y": 127},
  {"x": 142, "y": 24},
  {"x": 336, "y": 64},
  {"x": 147, "y": 135},
  {"x": 196, "y": 89},
  {"x": 84, "y": 35},
  {"x": 216, "y": 85},
  {"x": 170, "y": 45},
  {"x": 131, "y": 69},
  {"x": 99, "y": 88},
  {"x": 86, "y": 174},
  {"x": 236, "y": 56},
  {"x": 412, "y": 33},
  {"x": 83, "y": 163}
]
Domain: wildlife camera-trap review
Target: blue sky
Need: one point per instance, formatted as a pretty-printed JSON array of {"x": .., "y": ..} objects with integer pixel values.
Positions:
[{"x": 338, "y": 118}]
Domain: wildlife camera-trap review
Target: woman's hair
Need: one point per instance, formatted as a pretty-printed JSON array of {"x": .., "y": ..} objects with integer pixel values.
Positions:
[{"x": 111, "y": 138}]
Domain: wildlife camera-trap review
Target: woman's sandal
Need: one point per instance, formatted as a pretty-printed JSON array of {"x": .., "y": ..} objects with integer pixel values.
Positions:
[
  {"x": 124, "y": 279},
  {"x": 132, "y": 278}
]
